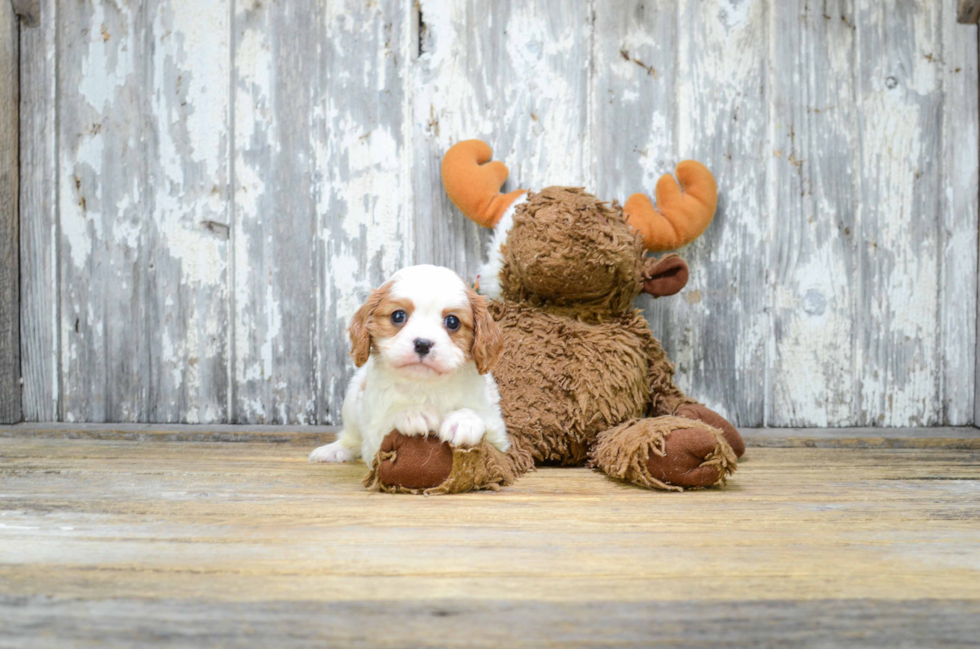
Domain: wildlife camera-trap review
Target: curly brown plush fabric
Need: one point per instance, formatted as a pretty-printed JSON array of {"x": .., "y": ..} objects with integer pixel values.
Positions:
[
  {"x": 664, "y": 452},
  {"x": 426, "y": 465},
  {"x": 582, "y": 379},
  {"x": 579, "y": 360}
]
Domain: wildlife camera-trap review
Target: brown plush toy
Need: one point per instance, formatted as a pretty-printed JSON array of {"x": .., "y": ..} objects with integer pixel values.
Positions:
[{"x": 581, "y": 377}]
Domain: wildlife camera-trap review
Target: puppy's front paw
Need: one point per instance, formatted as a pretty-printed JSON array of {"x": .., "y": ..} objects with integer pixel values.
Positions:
[
  {"x": 332, "y": 453},
  {"x": 418, "y": 421},
  {"x": 462, "y": 428}
]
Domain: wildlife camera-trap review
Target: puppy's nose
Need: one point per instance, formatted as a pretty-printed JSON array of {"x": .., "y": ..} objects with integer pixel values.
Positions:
[{"x": 422, "y": 346}]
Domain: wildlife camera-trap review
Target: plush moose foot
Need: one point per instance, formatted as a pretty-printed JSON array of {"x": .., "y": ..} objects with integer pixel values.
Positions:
[
  {"x": 712, "y": 418},
  {"x": 427, "y": 465},
  {"x": 669, "y": 453}
]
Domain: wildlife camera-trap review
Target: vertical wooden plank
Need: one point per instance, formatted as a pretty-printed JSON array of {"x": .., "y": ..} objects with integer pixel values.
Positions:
[
  {"x": 187, "y": 188},
  {"x": 515, "y": 74},
  {"x": 717, "y": 334},
  {"x": 633, "y": 106},
  {"x": 961, "y": 194},
  {"x": 899, "y": 223},
  {"x": 634, "y": 122},
  {"x": 275, "y": 222},
  {"x": 363, "y": 172},
  {"x": 968, "y": 11},
  {"x": 814, "y": 197},
  {"x": 10, "y": 397},
  {"x": 40, "y": 330},
  {"x": 102, "y": 193}
]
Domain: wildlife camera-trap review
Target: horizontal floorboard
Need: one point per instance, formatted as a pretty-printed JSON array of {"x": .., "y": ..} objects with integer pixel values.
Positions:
[
  {"x": 840, "y": 623},
  {"x": 963, "y": 437},
  {"x": 190, "y": 543}
]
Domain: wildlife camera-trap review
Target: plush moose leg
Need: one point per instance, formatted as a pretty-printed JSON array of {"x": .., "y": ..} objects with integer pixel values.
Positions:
[
  {"x": 426, "y": 465},
  {"x": 666, "y": 452},
  {"x": 712, "y": 418}
]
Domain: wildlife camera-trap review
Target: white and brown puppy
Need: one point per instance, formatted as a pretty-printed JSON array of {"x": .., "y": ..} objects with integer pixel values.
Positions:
[{"x": 424, "y": 344}]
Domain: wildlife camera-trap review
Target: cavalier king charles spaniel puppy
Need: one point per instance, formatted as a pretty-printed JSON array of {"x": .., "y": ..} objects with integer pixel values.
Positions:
[{"x": 424, "y": 344}]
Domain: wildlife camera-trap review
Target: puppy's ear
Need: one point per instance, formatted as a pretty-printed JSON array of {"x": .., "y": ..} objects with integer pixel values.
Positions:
[
  {"x": 359, "y": 328},
  {"x": 487, "y": 340}
]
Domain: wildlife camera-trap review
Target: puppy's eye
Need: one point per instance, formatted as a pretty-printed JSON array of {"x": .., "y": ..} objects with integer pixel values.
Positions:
[
  {"x": 452, "y": 322},
  {"x": 399, "y": 317}
]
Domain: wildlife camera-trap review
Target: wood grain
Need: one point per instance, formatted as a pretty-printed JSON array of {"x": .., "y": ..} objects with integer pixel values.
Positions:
[
  {"x": 495, "y": 623},
  {"x": 188, "y": 145},
  {"x": 275, "y": 221},
  {"x": 40, "y": 244},
  {"x": 103, "y": 262},
  {"x": 513, "y": 73},
  {"x": 363, "y": 174},
  {"x": 958, "y": 238},
  {"x": 246, "y": 172},
  {"x": 719, "y": 330},
  {"x": 10, "y": 398},
  {"x": 815, "y": 197},
  {"x": 968, "y": 11},
  {"x": 897, "y": 339},
  {"x": 244, "y": 532},
  {"x": 29, "y": 11}
]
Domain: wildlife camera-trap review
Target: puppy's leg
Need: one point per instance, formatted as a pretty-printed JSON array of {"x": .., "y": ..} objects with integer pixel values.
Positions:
[
  {"x": 347, "y": 448},
  {"x": 411, "y": 422},
  {"x": 416, "y": 421},
  {"x": 463, "y": 427},
  {"x": 496, "y": 430}
]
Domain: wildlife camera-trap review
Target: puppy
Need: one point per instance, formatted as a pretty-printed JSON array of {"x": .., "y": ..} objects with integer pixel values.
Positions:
[{"x": 424, "y": 344}]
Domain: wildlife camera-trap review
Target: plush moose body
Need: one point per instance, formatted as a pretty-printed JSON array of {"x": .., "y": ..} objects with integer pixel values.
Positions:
[{"x": 581, "y": 377}]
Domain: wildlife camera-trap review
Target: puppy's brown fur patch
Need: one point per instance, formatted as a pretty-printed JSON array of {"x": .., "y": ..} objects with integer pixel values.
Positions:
[
  {"x": 487, "y": 342},
  {"x": 373, "y": 320},
  {"x": 380, "y": 325}
]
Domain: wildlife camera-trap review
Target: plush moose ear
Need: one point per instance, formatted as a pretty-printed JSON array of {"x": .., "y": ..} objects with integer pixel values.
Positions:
[
  {"x": 473, "y": 182},
  {"x": 664, "y": 276},
  {"x": 359, "y": 329},
  {"x": 487, "y": 339},
  {"x": 684, "y": 208}
]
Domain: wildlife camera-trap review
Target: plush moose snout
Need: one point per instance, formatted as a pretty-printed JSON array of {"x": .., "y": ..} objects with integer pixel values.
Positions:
[{"x": 664, "y": 276}]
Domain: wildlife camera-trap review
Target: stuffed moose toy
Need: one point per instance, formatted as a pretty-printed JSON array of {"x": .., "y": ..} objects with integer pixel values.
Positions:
[{"x": 582, "y": 379}]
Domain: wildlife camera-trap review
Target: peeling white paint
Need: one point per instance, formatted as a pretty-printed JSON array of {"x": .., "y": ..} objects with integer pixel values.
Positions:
[{"x": 838, "y": 311}]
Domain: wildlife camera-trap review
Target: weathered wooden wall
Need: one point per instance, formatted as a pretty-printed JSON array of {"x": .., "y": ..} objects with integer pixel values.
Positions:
[
  {"x": 10, "y": 401},
  {"x": 210, "y": 188}
]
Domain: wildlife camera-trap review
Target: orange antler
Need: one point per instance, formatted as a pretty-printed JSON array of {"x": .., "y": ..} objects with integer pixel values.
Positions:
[
  {"x": 473, "y": 182},
  {"x": 683, "y": 211}
]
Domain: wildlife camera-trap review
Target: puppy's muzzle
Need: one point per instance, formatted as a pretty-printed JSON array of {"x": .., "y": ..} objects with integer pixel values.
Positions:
[{"x": 422, "y": 346}]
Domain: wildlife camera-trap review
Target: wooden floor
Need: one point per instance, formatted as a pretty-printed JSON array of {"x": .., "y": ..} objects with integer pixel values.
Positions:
[{"x": 831, "y": 541}]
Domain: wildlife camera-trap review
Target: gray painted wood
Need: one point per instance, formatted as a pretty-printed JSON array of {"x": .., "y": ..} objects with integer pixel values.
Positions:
[
  {"x": 10, "y": 398},
  {"x": 719, "y": 328},
  {"x": 814, "y": 201},
  {"x": 39, "y": 229},
  {"x": 525, "y": 92},
  {"x": 248, "y": 171},
  {"x": 102, "y": 202},
  {"x": 275, "y": 222},
  {"x": 958, "y": 183},
  {"x": 363, "y": 174},
  {"x": 187, "y": 146},
  {"x": 897, "y": 278}
]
